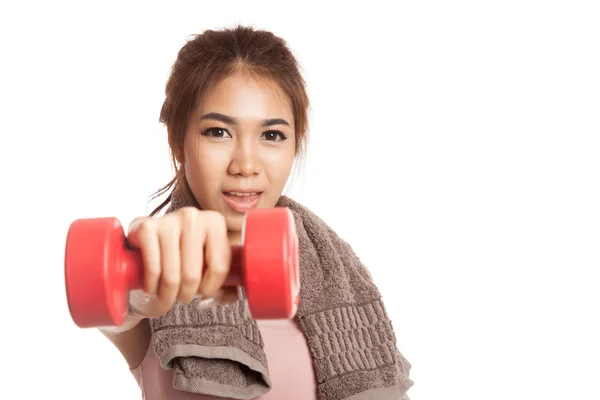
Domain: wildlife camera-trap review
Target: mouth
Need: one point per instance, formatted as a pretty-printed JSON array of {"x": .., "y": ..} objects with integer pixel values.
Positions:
[{"x": 242, "y": 201}]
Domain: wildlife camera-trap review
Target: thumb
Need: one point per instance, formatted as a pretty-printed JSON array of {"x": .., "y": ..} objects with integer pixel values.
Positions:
[{"x": 140, "y": 303}]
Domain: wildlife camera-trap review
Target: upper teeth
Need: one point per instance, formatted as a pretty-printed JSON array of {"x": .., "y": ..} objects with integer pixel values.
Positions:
[{"x": 241, "y": 194}]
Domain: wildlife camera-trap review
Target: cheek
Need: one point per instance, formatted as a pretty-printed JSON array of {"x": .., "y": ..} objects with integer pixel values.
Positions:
[
  {"x": 279, "y": 165},
  {"x": 205, "y": 168}
]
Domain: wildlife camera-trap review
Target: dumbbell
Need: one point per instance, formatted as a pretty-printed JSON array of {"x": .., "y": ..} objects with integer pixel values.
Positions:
[{"x": 101, "y": 269}]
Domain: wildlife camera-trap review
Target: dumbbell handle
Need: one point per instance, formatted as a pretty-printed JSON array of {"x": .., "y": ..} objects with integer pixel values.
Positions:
[
  {"x": 132, "y": 267},
  {"x": 101, "y": 270}
]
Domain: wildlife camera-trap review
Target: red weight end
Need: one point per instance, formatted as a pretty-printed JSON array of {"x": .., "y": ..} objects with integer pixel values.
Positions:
[
  {"x": 271, "y": 263},
  {"x": 96, "y": 287}
]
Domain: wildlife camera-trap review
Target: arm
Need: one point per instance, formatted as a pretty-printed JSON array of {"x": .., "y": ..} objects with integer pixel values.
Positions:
[
  {"x": 163, "y": 280},
  {"x": 132, "y": 339}
]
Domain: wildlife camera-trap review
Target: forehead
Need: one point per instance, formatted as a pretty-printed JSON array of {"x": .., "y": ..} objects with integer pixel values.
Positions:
[{"x": 244, "y": 96}]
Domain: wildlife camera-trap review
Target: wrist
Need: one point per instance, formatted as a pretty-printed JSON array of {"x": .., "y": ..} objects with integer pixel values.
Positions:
[{"x": 132, "y": 319}]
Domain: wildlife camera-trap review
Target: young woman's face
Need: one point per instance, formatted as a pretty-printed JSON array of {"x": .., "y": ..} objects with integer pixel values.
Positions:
[{"x": 239, "y": 148}]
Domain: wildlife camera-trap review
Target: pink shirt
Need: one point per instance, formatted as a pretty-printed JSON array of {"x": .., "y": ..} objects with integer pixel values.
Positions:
[{"x": 288, "y": 357}]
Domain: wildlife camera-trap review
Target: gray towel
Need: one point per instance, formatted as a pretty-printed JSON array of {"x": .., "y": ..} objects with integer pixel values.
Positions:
[{"x": 219, "y": 350}]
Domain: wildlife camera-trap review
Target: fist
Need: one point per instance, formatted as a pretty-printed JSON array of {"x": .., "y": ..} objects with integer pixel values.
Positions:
[{"x": 185, "y": 253}]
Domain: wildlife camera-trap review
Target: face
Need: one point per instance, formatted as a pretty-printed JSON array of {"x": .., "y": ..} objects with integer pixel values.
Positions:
[{"x": 239, "y": 148}]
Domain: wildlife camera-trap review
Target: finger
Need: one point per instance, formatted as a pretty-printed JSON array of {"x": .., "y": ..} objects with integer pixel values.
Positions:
[
  {"x": 145, "y": 237},
  {"x": 218, "y": 255},
  {"x": 169, "y": 237},
  {"x": 228, "y": 295},
  {"x": 192, "y": 239},
  {"x": 132, "y": 237}
]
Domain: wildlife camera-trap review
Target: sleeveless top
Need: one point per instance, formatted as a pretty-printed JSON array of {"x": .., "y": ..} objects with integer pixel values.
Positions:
[{"x": 288, "y": 357}]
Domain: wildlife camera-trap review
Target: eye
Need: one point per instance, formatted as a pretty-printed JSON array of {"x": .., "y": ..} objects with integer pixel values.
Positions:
[
  {"x": 273, "y": 135},
  {"x": 216, "y": 133}
]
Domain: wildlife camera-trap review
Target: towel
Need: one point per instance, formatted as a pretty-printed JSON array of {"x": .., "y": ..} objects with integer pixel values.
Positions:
[{"x": 218, "y": 350}]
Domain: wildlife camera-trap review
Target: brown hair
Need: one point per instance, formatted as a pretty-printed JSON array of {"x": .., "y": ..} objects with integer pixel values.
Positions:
[{"x": 213, "y": 55}]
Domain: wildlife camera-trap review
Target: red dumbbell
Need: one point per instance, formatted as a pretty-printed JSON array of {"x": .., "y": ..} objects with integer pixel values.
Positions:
[{"x": 101, "y": 270}]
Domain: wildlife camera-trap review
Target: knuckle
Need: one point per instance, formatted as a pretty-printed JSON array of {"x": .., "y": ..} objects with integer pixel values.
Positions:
[
  {"x": 146, "y": 228},
  {"x": 152, "y": 273},
  {"x": 189, "y": 278},
  {"x": 135, "y": 223},
  {"x": 219, "y": 270},
  {"x": 167, "y": 236},
  {"x": 188, "y": 214},
  {"x": 169, "y": 225},
  {"x": 189, "y": 218},
  {"x": 170, "y": 280},
  {"x": 217, "y": 220}
]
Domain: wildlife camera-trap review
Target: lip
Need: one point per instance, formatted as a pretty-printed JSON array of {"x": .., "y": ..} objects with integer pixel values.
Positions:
[
  {"x": 242, "y": 190},
  {"x": 241, "y": 204}
]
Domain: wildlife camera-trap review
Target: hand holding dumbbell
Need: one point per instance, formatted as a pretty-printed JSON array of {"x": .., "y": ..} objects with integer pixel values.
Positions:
[{"x": 177, "y": 256}]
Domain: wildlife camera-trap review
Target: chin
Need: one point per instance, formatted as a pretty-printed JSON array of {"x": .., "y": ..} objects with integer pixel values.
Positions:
[
  {"x": 235, "y": 224},
  {"x": 234, "y": 220}
]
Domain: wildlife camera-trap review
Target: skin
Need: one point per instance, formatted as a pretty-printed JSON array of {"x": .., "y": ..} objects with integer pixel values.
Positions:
[
  {"x": 241, "y": 154},
  {"x": 219, "y": 153}
]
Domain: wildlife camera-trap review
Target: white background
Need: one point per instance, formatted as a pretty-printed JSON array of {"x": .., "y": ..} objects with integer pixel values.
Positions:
[{"x": 455, "y": 145}]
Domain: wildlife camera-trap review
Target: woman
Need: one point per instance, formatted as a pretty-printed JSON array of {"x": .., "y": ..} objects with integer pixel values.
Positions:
[{"x": 236, "y": 115}]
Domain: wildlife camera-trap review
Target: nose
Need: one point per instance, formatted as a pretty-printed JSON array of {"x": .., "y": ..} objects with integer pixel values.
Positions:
[{"x": 245, "y": 161}]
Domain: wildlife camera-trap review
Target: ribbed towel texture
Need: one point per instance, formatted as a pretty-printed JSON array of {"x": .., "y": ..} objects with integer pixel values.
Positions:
[{"x": 219, "y": 350}]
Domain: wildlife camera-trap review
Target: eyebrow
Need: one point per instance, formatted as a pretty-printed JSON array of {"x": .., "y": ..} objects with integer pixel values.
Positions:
[{"x": 233, "y": 121}]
